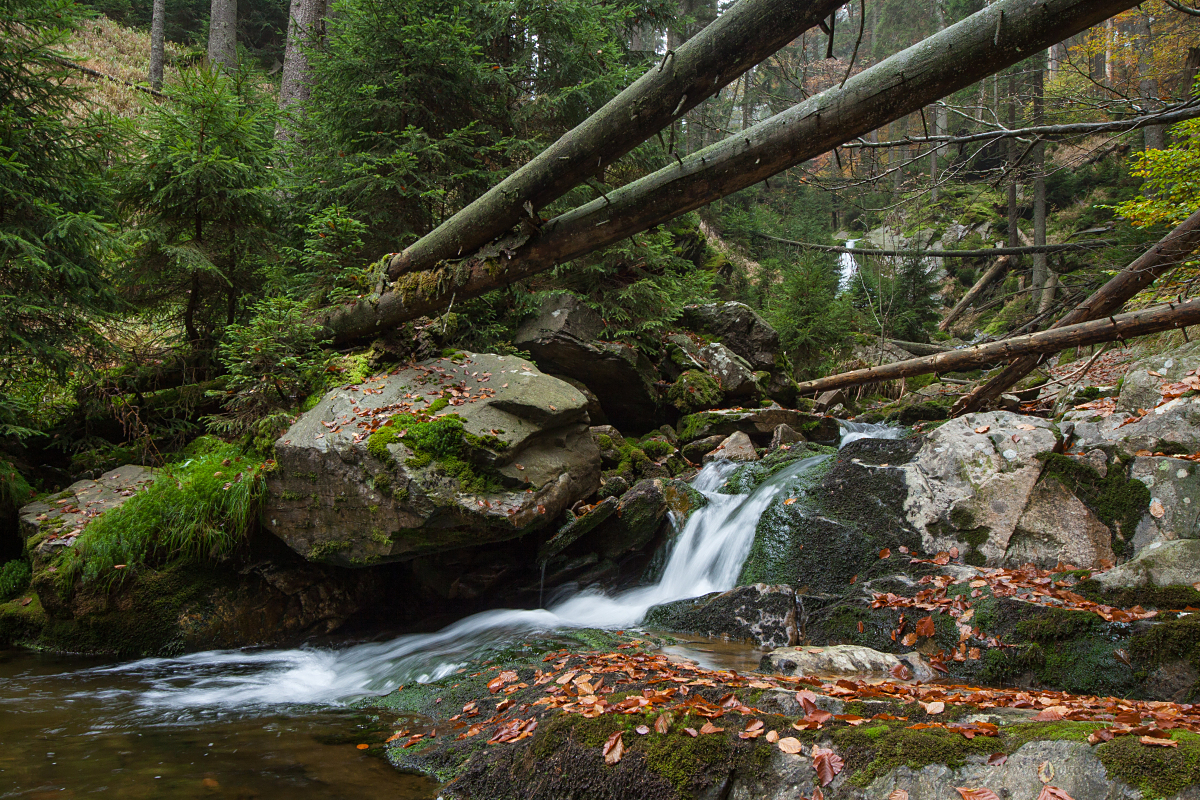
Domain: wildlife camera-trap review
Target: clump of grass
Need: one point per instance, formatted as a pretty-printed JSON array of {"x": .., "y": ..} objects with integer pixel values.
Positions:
[
  {"x": 196, "y": 510},
  {"x": 14, "y": 577}
]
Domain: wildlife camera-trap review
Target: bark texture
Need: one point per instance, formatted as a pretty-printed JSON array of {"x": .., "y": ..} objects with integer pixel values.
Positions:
[
  {"x": 157, "y": 43},
  {"x": 740, "y": 38},
  {"x": 222, "y": 34},
  {"x": 998, "y": 36},
  {"x": 306, "y": 22},
  {"x": 1124, "y": 326}
]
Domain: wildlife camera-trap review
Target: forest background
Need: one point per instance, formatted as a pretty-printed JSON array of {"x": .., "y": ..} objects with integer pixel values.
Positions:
[{"x": 184, "y": 184}]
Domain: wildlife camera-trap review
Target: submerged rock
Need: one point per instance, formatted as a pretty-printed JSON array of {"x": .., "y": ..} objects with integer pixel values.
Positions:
[
  {"x": 464, "y": 452},
  {"x": 757, "y": 423}
]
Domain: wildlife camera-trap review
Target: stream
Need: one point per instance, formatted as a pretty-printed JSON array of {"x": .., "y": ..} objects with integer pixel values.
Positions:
[{"x": 258, "y": 723}]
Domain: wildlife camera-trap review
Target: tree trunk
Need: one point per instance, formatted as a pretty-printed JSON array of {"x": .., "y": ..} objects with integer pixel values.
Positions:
[
  {"x": 306, "y": 27},
  {"x": 998, "y": 268},
  {"x": 1013, "y": 218},
  {"x": 157, "y": 43},
  {"x": 994, "y": 38},
  {"x": 1125, "y": 326},
  {"x": 222, "y": 34},
  {"x": 1041, "y": 270},
  {"x": 1173, "y": 248},
  {"x": 746, "y": 34}
]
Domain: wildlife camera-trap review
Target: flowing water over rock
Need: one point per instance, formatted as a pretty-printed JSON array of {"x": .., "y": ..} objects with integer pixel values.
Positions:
[{"x": 235, "y": 698}]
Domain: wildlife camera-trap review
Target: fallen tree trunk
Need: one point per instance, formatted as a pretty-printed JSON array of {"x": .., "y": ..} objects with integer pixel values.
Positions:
[
  {"x": 998, "y": 268},
  {"x": 920, "y": 348},
  {"x": 1169, "y": 251},
  {"x": 1125, "y": 326},
  {"x": 1090, "y": 244},
  {"x": 1000, "y": 35},
  {"x": 740, "y": 38}
]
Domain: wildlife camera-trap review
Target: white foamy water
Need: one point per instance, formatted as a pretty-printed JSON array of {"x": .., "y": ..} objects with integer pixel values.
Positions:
[
  {"x": 707, "y": 557},
  {"x": 847, "y": 267}
]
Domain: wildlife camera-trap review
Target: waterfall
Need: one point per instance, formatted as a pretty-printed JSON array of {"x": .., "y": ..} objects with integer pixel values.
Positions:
[
  {"x": 707, "y": 557},
  {"x": 847, "y": 267}
]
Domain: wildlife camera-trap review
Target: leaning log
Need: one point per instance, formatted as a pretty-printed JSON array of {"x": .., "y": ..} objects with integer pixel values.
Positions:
[
  {"x": 1169, "y": 251},
  {"x": 1090, "y": 244},
  {"x": 1125, "y": 326},
  {"x": 998, "y": 268},
  {"x": 740, "y": 38},
  {"x": 1000, "y": 35}
]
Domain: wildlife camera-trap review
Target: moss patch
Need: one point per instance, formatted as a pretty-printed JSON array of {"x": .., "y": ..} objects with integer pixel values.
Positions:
[
  {"x": 1118, "y": 501},
  {"x": 694, "y": 391},
  {"x": 1156, "y": 771},
  {"x": 442, "y": 442}
]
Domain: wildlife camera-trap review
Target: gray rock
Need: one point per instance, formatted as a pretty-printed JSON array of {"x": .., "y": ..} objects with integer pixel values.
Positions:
[
  {"x": 784, "y": 435},
  {"x": 1056, "y": 527},
  {"x": 1077, "y": 771},
  {"x": 733, "y": 374},
  {"x": 695, "y": 451},
  {"x": 680, "y": 354},
  {"x": 1159, "y": 564},
  {"x": 1140, "y": 389},
  {"x": 739, "y": 328},
  {"x": 1174, "y": 486},
  {"x": 829, "y": 399},
  {"x": 966, "y": 487},
  {"x": 595, "y": 411},
  {"x": 342, "y": 497},
  {"x": 1171, "y": 427},
  {"x": 762, "y": 614},
  {"x": 640, "y": 515},
  {"x": 65, "y": 515},
  {"x": 737, "y": 447},
  {"x": 562, "y": 339},
  {"x": 842, "y": 659}
]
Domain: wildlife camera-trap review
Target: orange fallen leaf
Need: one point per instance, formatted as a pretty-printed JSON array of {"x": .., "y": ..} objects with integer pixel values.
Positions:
[
  {"x": 997, "y": 759},
  {"x": 789, "y": 744},
  {"x": 772, "y": 736},
  {"x": 789, "y": 501},
  {"x": 1151, "y": 740},
  {"x": 827, "y": 764},
  {"x": 1157, "y": 510},
  {"x": 1045, "y": 772},
  {"x": 983, "y": 429},
  {"x": 709, "y": 728},
  {"x": 1053, "y": 793},
  {"x": 885, "y": 553},
  {"x": 925, "y": 626},
  {"x": 898, "y": 794},
  {"x": 982, "y": 793},
  {"x": 614, "y": 748},
  {"x": 362, "y": 746}
]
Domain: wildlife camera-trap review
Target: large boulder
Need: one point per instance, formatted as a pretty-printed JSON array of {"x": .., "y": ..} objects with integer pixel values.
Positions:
[
  {"x": 971, "y": 481},
  {"x": 739, "y": 328},
  {"x": 844, "y": 659},
  {"x": 764, "y": 615},
  {"x": 1160, "y": 564},
  {"x": 1056, "y": 527},
  {"x": 564, "y": 339},
  {"x": 732, "y": 372},
  {"x": 1174, "y": 508},
  {"x": 446, "y": 454}
]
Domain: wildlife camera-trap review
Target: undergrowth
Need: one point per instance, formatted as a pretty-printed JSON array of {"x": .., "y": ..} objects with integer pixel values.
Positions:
[{"x": 196, "y": 510}]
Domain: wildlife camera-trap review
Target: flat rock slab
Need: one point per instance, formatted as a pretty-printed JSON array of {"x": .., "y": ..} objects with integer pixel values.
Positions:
[
  {"x": 340, "y": 496},
  {"x": 65, "y": 515},
  {"x": 842, "y": 659}
]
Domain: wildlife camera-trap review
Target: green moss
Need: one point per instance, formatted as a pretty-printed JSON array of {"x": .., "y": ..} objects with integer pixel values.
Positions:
[
  {"x": 657, "y": 448},
  {"x": 1156, "y": 771},
  {"x": 1166, "y": 641},
  {"x": 1158, "y": 597},
  {"x": 694, "y": 391},
  {"x": 679, "y": 757},
  {"x": 604, "y": 442},
  {"x": 14, "y": 578},
  {"x": 439, "y": 441},
  {"x": 322, "y": 550},
  {"x": 869, "y": 756},
  {"x": 377, "y": 443},
  {"x": 694, "y": 426},
  {"x": 1058, "y": 624},
  {"x": 1118, "y": 501}
]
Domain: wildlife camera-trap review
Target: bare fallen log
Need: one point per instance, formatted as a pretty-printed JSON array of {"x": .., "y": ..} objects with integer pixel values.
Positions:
[
  {"x": 998, "y": 268},
  {"x": 1090, "y": 244},
  {"x": 1125, "y": 326},
  {"x": 1000, "y": 35},
  {"x": 1169, "y": 251},
  {"x": 740, "y": 38}
]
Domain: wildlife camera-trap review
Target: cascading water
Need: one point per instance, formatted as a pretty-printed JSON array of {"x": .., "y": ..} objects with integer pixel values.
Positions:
[{"x": 707, "y": 557}]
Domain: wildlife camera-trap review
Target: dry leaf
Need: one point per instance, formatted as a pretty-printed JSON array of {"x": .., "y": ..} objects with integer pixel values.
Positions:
[
  {"x": 827, "y": 764},
  {"x": 925, "y": 626},
  {"x": 1045, "y": 772},
  {"x": 1159, "y": 742},
  {"x": 901, "y": 672},
  {"x": 898, "y": 794},
  {"x": 663, "y": 723},
  {"x": 909, "y": 639},
  {"x": 1053, "y": 793},
  {"x": 885, "y": 553},
  {"x": 983, "y": 429},
  {"x": 708, "y": 728},
  {"x": 1025, "y": 427},
  {"x": 642, "y": 729},
  {"x": 936, "y": 707},
  {"x": 772, "y": 736},
  {"x": 614, "y": 748},
  {"x": 966, "y": 615},
  {"x": 997, "y": 759},
  {"x": 1051, "y": 714},
  {"x": 789, "y": 744},
  {"x": 789, "y": 501},
  {"x": 982, "y": 793},
  {"x": 1156, "y": 509},
  {"x": 860, "y": 626}
]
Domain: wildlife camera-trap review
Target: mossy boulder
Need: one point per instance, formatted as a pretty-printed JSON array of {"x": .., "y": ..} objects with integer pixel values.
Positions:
[
  {"x": 761, "y": 614},
  {"x": 758, "y": 424},
  {"x": 695, "y": 391},
  {"x": 446, "y": 454}
]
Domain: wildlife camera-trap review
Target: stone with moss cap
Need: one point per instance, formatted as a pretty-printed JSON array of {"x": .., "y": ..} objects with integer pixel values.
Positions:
[{"x": 478, "y": 449}]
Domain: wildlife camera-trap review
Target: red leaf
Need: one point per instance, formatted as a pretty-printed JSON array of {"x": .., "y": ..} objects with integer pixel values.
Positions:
[
  {"x": 1053, "y": 793},
  {"x": 925, "y": 626},
  {"x": 898, "y": 794},
  {"x": 614, "y": 748},
  {"x": 827, "y": 764},
  {"x": 997, "y": 759},
  {"x": 885, "y": 553},
  {"x": 982, "y": 793},
  {"x": 901, "y": 672}
]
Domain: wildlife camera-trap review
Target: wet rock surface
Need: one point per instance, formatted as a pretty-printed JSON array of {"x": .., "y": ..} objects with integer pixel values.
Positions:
[{"x": 764, "y": 615}]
